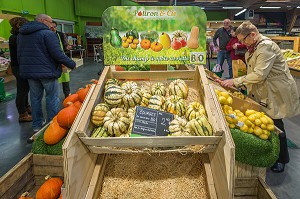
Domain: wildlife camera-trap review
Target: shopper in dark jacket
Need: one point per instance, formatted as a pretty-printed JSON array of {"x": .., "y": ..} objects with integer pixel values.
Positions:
[
  {"x": 40, "y": 58},
  {"x": 22, "y": 103}
]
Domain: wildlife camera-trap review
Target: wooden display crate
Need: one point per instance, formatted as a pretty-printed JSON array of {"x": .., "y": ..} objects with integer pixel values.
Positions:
[
  {"x": 29, "y": 174},
  {"x": 83, "y": 155}
]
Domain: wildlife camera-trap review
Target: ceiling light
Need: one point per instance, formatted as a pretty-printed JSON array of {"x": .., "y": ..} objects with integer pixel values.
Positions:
[
  {"x": 270, "y": 7},
  {"x": 232, "y": 7},
  {"x": 242, "y": 11},
  {"x": 298, "y": 6},
  {"x": 277, "y": 1}
]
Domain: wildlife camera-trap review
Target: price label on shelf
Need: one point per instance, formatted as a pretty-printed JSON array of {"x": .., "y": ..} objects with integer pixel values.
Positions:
[{"x": 197, "y": 57}]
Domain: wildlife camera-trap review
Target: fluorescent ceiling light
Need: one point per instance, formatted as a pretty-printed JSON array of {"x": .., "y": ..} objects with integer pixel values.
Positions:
[
  {"x": 242, "y": 11},
  {"x": 298, "y": 6},
  {"x": 233, "y": 7},
  {"x": 270, "y": 7}
]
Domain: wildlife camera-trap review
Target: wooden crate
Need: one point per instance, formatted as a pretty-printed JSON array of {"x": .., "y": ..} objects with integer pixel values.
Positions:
[
  {"x": 80, "y": 156},
  {"x": 194, "y": 78},
  {"x": 252, "y": 188},
  {"x": 29, "y": 174}
]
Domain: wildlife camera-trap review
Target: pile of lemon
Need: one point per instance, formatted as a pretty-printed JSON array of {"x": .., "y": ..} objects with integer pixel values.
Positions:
[{"x": 254, "y": 122}]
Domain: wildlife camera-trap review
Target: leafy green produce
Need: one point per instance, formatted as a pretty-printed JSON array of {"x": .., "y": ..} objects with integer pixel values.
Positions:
[
  {"x": 55, "y": 149},
  {"x": 250, "y": 149},
  {"x": 39, "y": 146},
  {"x": 132, "y": 33}
]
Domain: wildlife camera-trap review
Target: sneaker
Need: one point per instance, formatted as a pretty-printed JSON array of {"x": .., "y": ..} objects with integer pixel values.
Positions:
[
  {"x": 25, "y": 117},
  {"x": 36, "y": 130}
]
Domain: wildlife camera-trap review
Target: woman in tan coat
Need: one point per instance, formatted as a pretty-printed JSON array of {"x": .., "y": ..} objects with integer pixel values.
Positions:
[{"x": 269, "y": 82}]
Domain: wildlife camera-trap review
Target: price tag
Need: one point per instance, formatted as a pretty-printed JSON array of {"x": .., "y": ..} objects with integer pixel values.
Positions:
[
  {"x": 151, "y": 122},
  {"x": 197, "y": 57}
]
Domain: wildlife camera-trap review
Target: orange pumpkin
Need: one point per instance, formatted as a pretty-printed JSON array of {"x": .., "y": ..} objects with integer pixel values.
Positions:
[
  {"x": 82, "y": 92},
  {"x": 66, "y": 116},
  {"x": 25, "y": 195},
  {"x": 60, "y": 196},
  {"x": 119, "y": 68},
  {"x": 145, "y": 44},
  {"x": 156, "y": 46},
  {"x": 77, "y": 104},
  {"x": 71, "y": 98},
  {"x": 51, "y": 189},
  {"x": 54, "y": 133}
]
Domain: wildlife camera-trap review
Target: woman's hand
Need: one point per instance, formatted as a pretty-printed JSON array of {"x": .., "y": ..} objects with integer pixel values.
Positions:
[{"x": 227, "y": 83}]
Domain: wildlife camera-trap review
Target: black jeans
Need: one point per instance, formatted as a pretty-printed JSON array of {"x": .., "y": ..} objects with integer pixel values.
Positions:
[
  {"x": 283, "y": 153},
  {"x": 66, "y": 88},
  {"x": 22, "y": 95}
]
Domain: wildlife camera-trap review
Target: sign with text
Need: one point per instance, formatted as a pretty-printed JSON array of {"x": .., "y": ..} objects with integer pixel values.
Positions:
[
  {"x": 151, "y": 122},
  {"x": 138, "y": 35}
]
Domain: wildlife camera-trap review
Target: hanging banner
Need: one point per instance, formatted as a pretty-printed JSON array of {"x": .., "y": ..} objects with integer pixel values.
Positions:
[{"x": 137, "y": 35}]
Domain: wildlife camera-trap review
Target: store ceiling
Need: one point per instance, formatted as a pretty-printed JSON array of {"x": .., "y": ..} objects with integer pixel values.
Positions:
[{"x": 285, "y": 5}]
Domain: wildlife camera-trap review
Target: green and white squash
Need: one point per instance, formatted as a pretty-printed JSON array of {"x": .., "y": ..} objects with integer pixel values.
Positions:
[
  {"x": 131, "y": 113},
  {"x": 180, "y": 127},
  {"x": 179, "y": 87},
  {"x": 145, "y": 98},
  {"x": 157, "y": 102},
  {"x": 99, "y": 132},
  {"x": 113, "y": 95},
  {"x": 116, "y": 122},
  {"x": 175, "y": 105},
  {"x": 194, "y": 110},
  {"x": 99, "y": 113},
  {"x": 158, "y": 89},
  {"x": 201, "y": 126},
  {"x": 132, "y": 94},
  {"x": 111, "y": 82}
]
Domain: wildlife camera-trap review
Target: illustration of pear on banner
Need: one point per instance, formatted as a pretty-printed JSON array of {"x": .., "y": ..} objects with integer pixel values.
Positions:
[
  {"x": 165, "y": 40},
  {"x": 115, "y": 39}
]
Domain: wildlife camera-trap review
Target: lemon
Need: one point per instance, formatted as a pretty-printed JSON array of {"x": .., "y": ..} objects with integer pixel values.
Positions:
[
  {"x": 222, "y": 100},
  {"x": 263, "y": 126},
  {"x": 229, "y": 100},
  {"x": 243, "y": 119},
  {"x": 229, "y": 119},
  {"x": 252, "y": 117},
  {"x": 257, "y": 122},
  {"x": 240, "y": 114},
  {"x": 264, "y": 120},
  {"x": 224, "y": 94},
  {"x": 270, "y": 121},
  {"x": 271, "y": 127},
  {"x": 250, "y": 130},
  {"x": 257, "y": 131},
  {"x": 258, "y": 115},
  {"x": 217, "y": 92},
  {"x": 248, "y": 123},
  {"x": 244, "y": 128},
  {"x": 249, "y": 112},
  {"x": 263, "y": 136},
  {"x": 232, "y": 126},
  {"x": 266, "y": 132}
]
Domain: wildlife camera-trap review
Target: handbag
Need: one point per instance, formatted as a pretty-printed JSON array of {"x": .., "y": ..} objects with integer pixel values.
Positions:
[{"x": 240, "y": 52}]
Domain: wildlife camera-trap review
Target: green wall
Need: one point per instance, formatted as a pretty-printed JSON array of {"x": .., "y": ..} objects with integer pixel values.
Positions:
[{"x": 216, "y": 15}]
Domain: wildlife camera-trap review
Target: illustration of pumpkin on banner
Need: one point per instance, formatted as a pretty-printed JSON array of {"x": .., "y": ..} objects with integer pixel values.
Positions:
[{"x": 154, "y": 35}]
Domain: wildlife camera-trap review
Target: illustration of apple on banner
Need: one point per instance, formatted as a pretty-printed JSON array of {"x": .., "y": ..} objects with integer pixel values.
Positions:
[{"x": 154, "y": 35}]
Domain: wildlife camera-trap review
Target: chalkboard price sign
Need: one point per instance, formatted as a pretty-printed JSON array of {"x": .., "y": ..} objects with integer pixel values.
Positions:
[{"x": 151, "y": 122}]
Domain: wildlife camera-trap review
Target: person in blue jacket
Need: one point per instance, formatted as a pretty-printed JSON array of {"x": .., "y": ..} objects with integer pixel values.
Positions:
[{"x": 40, "y": 58}]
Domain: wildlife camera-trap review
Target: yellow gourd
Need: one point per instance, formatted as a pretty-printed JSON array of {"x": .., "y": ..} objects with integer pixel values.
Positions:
[{"x": 193, "y": 42}]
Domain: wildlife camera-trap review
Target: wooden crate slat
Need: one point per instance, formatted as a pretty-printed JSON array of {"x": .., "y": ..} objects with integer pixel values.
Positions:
[
  {"x": 264, "y": 191},
  {"x": 245, "y": 197},
  {"x": 8, "y": 179},
  {"x": 151, "y": 141},
  {"x": 40, "y": 179},
  {"x": 48, "y": 170},
  {"x": 209, "y": 178},
  {"x": 47, "y": 160},
  {"x": 245, "y": 182},
  {"x": 248, "y": 191}
]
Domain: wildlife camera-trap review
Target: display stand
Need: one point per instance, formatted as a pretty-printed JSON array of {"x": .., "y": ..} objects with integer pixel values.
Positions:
[{"x": 294, "y": 39}]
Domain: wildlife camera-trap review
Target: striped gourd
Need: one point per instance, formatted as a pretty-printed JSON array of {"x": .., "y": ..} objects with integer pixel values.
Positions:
[
  {"x": 194, "y": 110},
  {"x": 131, "y": 113},
  {"x": 201, "y": 126},
  {"x": 145, "y": 98},
  {"x": 132, "y": 94},
  {"x": 116, "y": 122},
  {"x": 99, "y": 113},
  {"x": 158, "y": 89},
  {"x": 175, "y": 105},
  {"x": 99, "y": 132},
  {"x": 178, "y": 87},
  {"x": 113, "y": 95},
  {"x": 157, "y": 102},
  {"x": 111, "y": 82},
  {"x": 180, "y": 127}
]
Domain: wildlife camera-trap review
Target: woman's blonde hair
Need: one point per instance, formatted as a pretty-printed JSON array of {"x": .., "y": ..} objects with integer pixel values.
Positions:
[{"x": 246, "y": 28}]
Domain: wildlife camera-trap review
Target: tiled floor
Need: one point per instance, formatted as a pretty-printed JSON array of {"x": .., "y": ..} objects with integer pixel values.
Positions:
[{"x": 13, "y": 136}]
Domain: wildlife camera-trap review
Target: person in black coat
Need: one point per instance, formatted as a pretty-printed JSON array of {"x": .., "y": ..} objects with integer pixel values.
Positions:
[
  {"x": 41, "y": 57},
  {"x": 22, "y": 103}
]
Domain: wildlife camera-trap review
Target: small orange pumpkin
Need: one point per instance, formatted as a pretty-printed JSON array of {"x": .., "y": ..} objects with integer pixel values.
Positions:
[
  {"x": 66, "y": 116},
  {"x": 25, "y": 195},
  {"x": 156, "y": 46},
  {"x": 51, "y": 189},
  {"x": 71, "y": 98},
  {"x": 82, "y": 92},
  {"x": 145, "y": 44},
  {"x": 54, "y": 133},
  {"x": 77, "y": 104},
  {"x": 60, "y": 196}
]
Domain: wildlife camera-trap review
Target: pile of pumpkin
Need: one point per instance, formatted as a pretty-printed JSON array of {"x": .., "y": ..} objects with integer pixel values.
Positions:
[
  {"x": 50, "y": 189},
  {"x": 114, "y": 117},
  {"x": 51, "y": 140}
]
